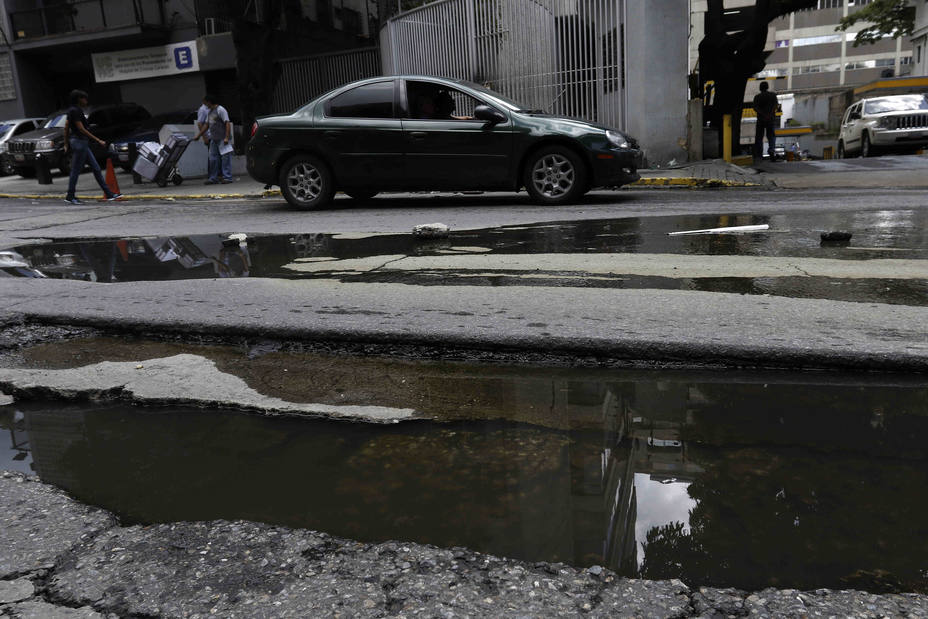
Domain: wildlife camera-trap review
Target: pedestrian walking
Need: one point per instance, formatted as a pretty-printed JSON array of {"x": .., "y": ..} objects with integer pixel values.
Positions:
[
  {"x": 765, "y": 104},
  {"x": 219, "y": 129},
  {"x": 77, "y": 142}
]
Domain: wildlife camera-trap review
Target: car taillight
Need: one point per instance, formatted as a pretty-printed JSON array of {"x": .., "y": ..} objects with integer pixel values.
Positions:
[{"x": 254, "y": 129}]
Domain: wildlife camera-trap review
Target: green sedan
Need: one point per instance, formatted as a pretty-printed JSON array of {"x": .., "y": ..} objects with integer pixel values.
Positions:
[{"x": 416, "y": 133}]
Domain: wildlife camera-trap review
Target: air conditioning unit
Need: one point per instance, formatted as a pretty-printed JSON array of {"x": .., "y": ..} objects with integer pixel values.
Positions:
[{"x": 209, "y": 25}]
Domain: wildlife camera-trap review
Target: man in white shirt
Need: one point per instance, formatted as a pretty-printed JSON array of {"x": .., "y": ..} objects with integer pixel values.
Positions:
[{"x": 219, "y": 129}]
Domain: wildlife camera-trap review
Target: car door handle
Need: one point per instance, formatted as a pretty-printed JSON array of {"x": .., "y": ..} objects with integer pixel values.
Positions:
[
  {"x": 418, "y": 135},
  {"x": 331, "y": 134}
]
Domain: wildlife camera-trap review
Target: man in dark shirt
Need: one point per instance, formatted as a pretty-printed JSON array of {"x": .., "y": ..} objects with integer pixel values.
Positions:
[
  {"x": 77, "y": 142},
  {"x": 765, "y": 104}
]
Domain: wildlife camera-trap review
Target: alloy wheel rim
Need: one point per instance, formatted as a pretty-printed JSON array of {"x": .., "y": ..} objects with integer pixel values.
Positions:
[
  {"x": 304, "y": 182},
  {"x": 553, "y": 175}
]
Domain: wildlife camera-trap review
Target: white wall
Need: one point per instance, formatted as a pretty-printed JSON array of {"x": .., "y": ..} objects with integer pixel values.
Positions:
[{"x": 657, "y": 40}]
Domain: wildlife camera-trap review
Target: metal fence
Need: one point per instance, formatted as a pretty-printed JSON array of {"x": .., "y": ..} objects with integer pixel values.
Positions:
[
  {"x": 303, "y": 79},
  {"x": 560, "y": 56}
]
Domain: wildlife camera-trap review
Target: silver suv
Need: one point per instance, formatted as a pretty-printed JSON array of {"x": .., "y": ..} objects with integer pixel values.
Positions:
[{"x": 897, "y": 122}]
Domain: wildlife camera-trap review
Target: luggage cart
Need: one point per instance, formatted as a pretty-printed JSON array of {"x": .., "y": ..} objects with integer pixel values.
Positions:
[
  {"x": 167, "y": 160},
  {"x": 160, "y": 165}
]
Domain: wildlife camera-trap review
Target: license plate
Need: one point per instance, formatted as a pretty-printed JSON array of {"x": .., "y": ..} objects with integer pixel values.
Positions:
[{"x": 19, "y": 157}]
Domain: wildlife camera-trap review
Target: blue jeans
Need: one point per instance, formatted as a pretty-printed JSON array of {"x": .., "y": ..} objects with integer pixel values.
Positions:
[
  {"x": 216, "y": 161},
  {"x": 80, "y": 155}
]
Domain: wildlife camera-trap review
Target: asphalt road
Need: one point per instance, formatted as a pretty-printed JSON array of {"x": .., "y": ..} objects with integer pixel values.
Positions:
[{"x": 689, "y": 326}]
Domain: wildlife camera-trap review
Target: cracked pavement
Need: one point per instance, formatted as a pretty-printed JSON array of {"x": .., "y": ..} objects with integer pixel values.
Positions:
[{"x": 64, "y": 559}]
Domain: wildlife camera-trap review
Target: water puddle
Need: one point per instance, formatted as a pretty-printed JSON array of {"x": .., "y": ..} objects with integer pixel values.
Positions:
[
  {"x": 729, "y": 479},
  {"x": 882, "y": 242}
]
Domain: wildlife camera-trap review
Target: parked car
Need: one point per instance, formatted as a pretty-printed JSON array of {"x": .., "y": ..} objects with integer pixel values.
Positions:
[
  {"x": 897, "y": 123},
  {"x": 104, "y": 121},
  {"x": 407, "y": 133},
  {"x": 148, "y": 132},
  {"x": 10, "y": 128}
]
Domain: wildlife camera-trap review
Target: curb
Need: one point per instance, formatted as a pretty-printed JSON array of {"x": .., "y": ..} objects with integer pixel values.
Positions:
[
  {"x": 149, "y": 196},
  {"x": 690, "y": 181}
]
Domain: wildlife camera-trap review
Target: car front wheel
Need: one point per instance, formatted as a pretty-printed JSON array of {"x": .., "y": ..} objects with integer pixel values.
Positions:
[
  {"x": 555, "y": 175},
  {"x": 865, "y": 145},
  {"x": 306, "y": 182}
]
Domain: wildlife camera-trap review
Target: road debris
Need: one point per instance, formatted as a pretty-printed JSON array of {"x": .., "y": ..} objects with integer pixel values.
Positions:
[
  {"x": 431, "y": 231},
  {"x": 725, "y": 230}
]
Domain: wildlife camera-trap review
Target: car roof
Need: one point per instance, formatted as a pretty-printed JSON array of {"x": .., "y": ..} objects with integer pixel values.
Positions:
[{"x": 20, "y": 120}]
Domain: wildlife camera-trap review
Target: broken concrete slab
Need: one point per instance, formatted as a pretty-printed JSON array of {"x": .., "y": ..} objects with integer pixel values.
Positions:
[
  {"x": 185, "y": 380},
  {"x": 16, "y": 590},
  {"x": 641, "y": 264},
  {"x": 40, "y": 522},
  {"x": 37, "y": 609}
]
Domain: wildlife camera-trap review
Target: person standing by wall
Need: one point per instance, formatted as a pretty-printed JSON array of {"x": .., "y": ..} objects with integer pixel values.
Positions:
[
  {"x": 765, "y": 104},
  {"x": 219, "y": 129},
  {"x": 77, "y": 142}
]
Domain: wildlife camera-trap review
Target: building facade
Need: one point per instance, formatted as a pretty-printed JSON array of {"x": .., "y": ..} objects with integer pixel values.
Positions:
[
  {"x": 810, "y": 53},
  {"x": 920, "y": 39},
  {"x": 161, "y": 54}
]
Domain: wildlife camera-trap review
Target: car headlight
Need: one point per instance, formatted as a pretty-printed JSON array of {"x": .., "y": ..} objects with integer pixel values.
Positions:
[
  {"x": 617, "y": 139},
  {"x": 45, "y": 145},
  {"x": 886, "y": 122},
  {"x": 4, "y": 147}
]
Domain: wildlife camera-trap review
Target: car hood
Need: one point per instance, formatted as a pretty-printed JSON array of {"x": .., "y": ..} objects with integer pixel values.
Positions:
[{"x": 39, "y": 134}]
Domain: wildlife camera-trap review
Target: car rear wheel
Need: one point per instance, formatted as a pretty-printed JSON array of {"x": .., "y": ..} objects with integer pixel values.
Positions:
[
  {"x": 555, "y": 175},
  {"x": 841, "y": 153},
  {"x": 360, "y": 194},
  {"x": 865, "y": 149},
  {"x": 306, "y": 182}
]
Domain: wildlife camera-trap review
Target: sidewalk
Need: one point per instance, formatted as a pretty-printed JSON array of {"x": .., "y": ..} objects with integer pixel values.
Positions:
[{"x": 910, "y": 171}]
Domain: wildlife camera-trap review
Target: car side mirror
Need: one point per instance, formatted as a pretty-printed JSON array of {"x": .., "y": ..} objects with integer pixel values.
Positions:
[{"x": 489, "y": 114}]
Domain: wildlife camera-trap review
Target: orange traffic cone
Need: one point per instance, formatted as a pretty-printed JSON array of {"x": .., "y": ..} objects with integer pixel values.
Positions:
[{"x": 111, "y": 178}]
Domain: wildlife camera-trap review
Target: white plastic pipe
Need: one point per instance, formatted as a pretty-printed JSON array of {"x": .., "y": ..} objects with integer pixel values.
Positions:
[{"x": 725, "y": 230}]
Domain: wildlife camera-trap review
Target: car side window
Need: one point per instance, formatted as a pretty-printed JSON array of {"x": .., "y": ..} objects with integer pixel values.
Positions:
[
  {"x": 367, "y": 101},
  {"x": 431, "y": 101}
]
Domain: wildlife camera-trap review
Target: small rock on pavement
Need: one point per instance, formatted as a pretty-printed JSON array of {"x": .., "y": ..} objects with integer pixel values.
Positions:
[
  {"x": 15, "y": 590},
  {"x": 431, "y": 231}
]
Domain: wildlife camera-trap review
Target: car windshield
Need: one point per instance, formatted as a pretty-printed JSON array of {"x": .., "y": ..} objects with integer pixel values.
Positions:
[
  {"x": 513, "y": 105},
  {"x": 55, "y": 121},
  {"x": 902, "y": 103}
]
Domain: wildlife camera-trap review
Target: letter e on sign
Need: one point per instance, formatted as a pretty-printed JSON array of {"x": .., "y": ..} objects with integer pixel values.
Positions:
[{"x": 183, "y": 58}]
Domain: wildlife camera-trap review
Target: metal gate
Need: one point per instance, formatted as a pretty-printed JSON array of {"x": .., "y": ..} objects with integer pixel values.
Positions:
[
  {"x": 303, "y": 79},
  {"x": 560, "y": 56}
]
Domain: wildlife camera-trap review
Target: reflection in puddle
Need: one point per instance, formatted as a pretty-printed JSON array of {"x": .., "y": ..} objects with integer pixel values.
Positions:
[
  {"x": 715, "y": 479},
  {"x": 240, "y": 255}
]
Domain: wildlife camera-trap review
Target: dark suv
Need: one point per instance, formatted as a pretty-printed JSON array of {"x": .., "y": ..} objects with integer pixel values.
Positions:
[{"x": 104, "y": 121}]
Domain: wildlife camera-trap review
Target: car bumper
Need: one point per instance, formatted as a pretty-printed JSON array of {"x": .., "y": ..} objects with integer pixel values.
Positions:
[
  {"x": 616, "y": 167},
  {"x": 27, "y": 160},
  {"x": 261, "y": 164},
  {"x": 899, "y": 137}
]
